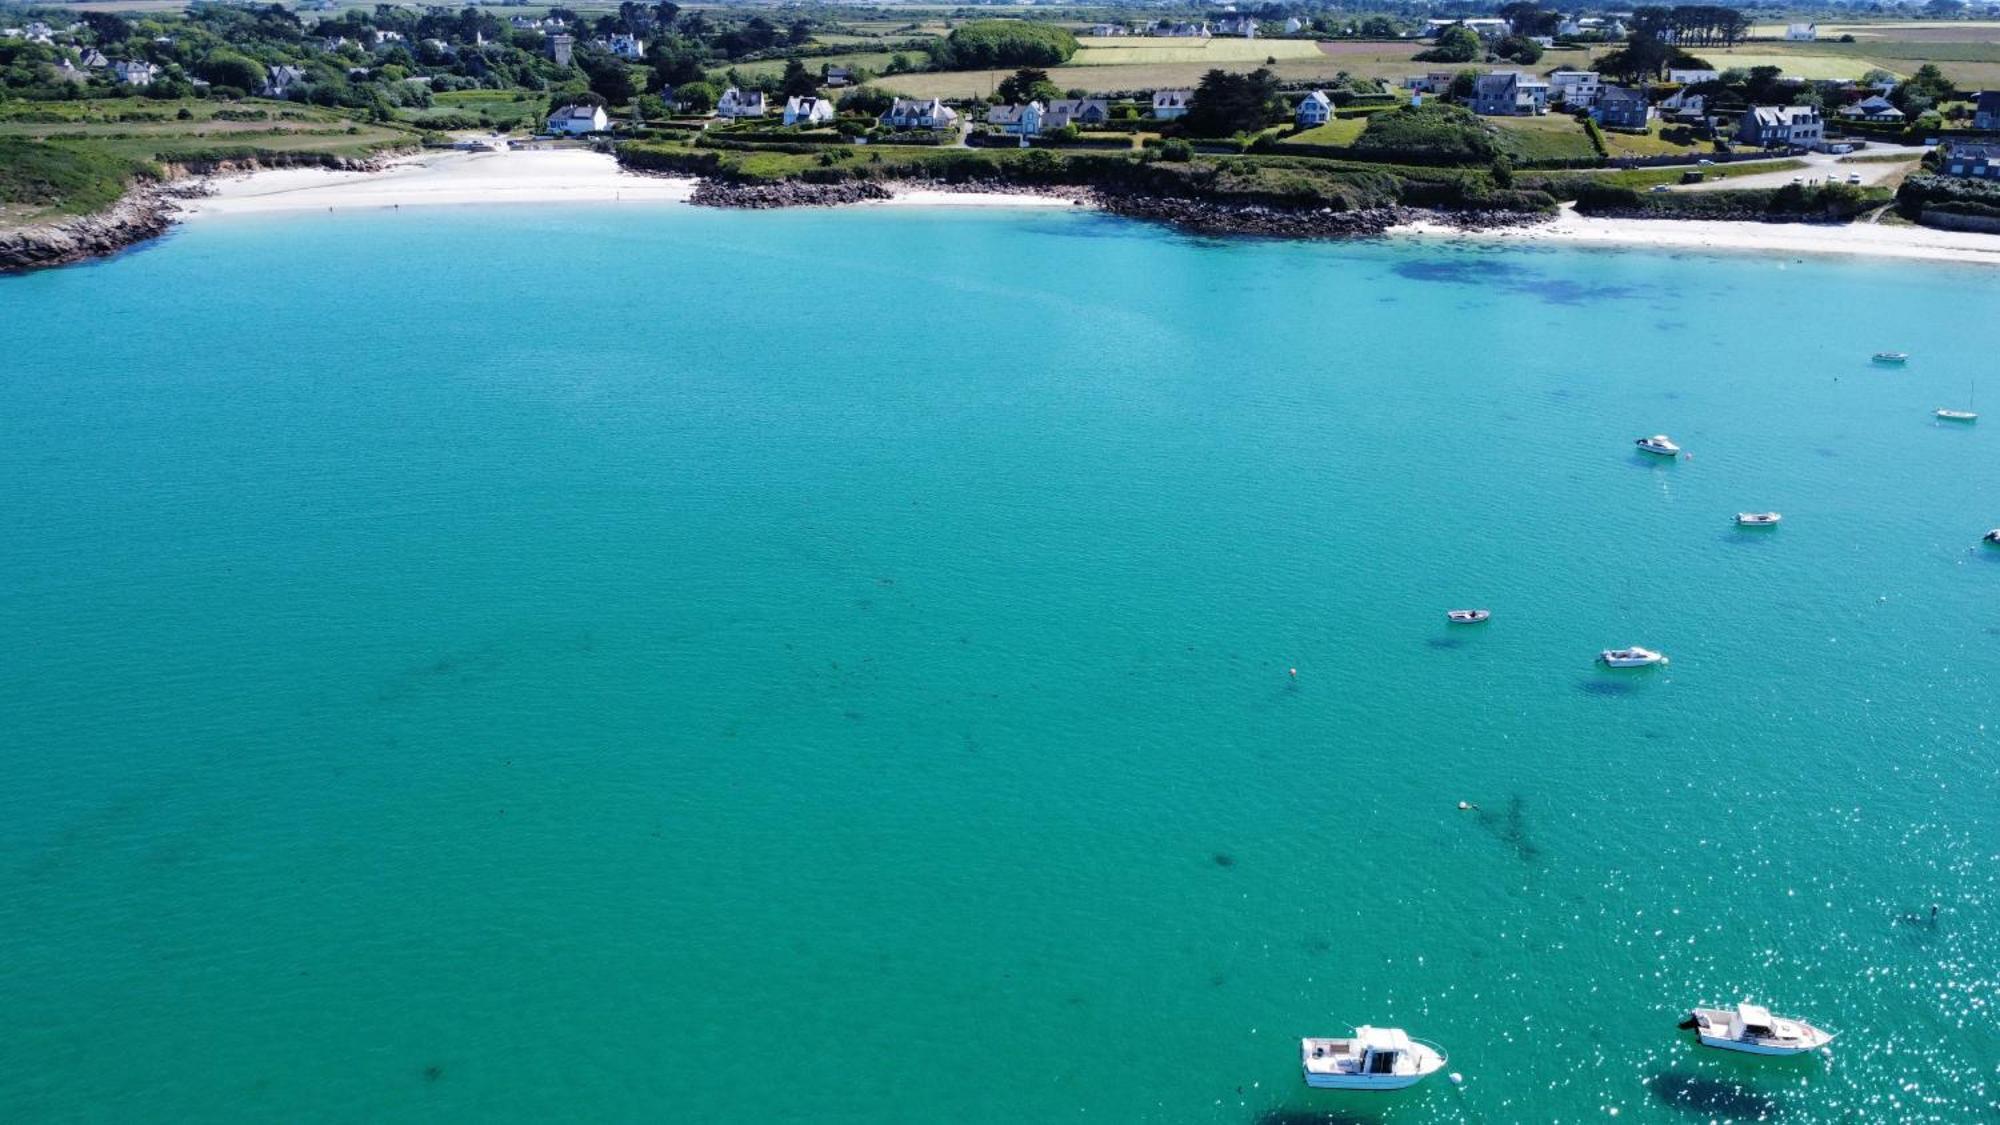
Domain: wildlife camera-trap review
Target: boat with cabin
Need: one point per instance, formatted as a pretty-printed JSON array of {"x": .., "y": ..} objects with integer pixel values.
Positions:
[
  {"x": 1660, "y": 444},
  {"x": 1634, "y": 657},
  {"x": 1754, "y": 1030},
  {"x": 1467, "y": 616},
  {"x": 1758, "y": 519},
  {"x": 1374, "y": 1058},
  {"x": 1892, "y": 358}
]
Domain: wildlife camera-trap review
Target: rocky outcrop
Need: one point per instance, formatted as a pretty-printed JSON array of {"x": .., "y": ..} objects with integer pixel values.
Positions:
[
  {"x": 1270, "y": 222},
  {"x": 145, "y": 212},
  {"x": 786, "y": 193}
]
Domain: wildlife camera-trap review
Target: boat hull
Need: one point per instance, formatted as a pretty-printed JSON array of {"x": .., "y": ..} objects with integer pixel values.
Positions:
[
  {"x": 1364, "y": 1081},
  {"x": 1721, "y": 1043}
]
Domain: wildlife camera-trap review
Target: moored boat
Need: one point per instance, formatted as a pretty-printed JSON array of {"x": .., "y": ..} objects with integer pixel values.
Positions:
[
  {"x": 1634, "y": 657},
  {"x": 1892, "y": 357},
  {"x": 1754, "y": 1030},
  {"x": 1955, "y": 415},
  {"x": 1758, "y": 519},
  {"x": 1374, "y": 1058},
  {"x": 1467, "y": 616},
  {"x": 1658, "y": 443},
  {"x": 1991, "y": 538}
]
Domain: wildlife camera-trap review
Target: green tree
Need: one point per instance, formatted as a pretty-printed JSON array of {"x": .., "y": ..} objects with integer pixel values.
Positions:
[
  {"x": 983, "y": 44},
  {"x": 232, "y": 68},
  {"x": 1521, "y": 49},
  {"x": 797, "y": 81},
  {"x": 1457, "y": 43},
  {"x": 695, "y": 97},
  {"x": 1227, "y": 103},
  {"x": 1027, "y": 85}
]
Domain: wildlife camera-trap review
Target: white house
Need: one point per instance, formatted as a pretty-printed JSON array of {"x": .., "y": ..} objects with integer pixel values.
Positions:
[
  {"x": 136, "y": 73},
  {"x": 1876, "y": 110},
  {"x": 382, "y": 38},
  {"x": 1802, "y": 32},
  {"x": 1171, "y": 104},
  {"x": 1294, "y": 25},
  {"x": 1314, "y": 109},
  {"x": 919, "y": 113},
  {"x": 1244, "y": 26},
  {"x": 1576, "y": 88},
  {"x": 94, "y": 59},
  {"x": 736, "y": 103},
  {"x": 1020, "y": 120},
  {"x": 627, "y": 47},
  {"x": 807, "y": 111},
  {"x": 1691, "y": 76},
  {"x": 575, "y": 120},
  {"x": 1683, "y": 106}
]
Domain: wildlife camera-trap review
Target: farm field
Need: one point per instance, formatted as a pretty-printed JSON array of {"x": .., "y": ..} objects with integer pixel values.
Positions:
[
  {"x": 1126, "y": 51},
  {"x": 1368, "y": 60},
  {"x": 875, "y": 61},
  {"x": 1803, "y": 60}
]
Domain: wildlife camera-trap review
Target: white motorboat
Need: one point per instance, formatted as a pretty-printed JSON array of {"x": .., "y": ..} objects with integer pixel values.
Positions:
[
  {"x": 1634, "y": 657},
  {"x": 1375, "y": 1058},
  {"x": 1757, "y": 519},
  {"x": 1754, "y": 1030},
  {"x": 1660, "y": 444},
  {"x": 1467, "y": 616},
  {"x": 1956, "y": 415},
  {"x": 1892, "y": 357}
]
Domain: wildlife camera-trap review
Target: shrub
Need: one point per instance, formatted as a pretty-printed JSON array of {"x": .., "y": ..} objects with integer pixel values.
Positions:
[
  {"x": 1176, "y": 150},
  {"x": 1427, "y": 134}
]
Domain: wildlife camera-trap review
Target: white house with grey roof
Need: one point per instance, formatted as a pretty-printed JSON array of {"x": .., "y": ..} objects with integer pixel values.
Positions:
[
  {"x": 576, "y": 120},
  {"x": 1171, "y": 104},
  {"x": 736, "y": 103},
  {"x": 919, "y": 113},
  {"x": 808, "y": 111},
  {"x": 1314, "y": 109}
]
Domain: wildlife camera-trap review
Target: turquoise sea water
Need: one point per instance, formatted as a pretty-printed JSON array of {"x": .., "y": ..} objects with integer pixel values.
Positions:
[{"x": 672, "y": 665}]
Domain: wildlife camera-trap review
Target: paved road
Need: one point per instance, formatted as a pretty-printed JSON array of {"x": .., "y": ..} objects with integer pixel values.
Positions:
[{"x": 1819, "y": 166}]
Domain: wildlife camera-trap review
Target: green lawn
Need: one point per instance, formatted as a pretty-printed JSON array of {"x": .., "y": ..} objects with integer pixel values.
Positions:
[
  {"x": 1670, "y": 140},
  {"x": 1551, "y": 137},
  {"x": 498, "y": 104},
  {"x": 1339, "y": 133}
]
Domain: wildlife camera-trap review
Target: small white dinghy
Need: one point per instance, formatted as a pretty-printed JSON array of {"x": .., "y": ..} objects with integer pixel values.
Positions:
[
  {"x": 1376, "y": 1058},
  {"x": 1757, "y": 519},
  {"x": 1467, "y": 616},
  {"x": 1892, "y": 357},
  {"x": 1754, "y": 1030},
  {"x": 1634, "y": 657},
  {"x": 1945, "y": 415},
  {"x": 1660, "y": 444}
]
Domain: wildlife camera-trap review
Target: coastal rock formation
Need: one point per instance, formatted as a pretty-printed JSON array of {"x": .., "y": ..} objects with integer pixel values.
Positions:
[
  {"x": 1216, "y": 218},
  {"x": 786, "y": 193},
  {"x": 143, "y": 213}
]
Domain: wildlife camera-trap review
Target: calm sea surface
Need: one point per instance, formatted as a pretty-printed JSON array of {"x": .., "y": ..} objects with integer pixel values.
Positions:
[{"x": 672, "y": 665}]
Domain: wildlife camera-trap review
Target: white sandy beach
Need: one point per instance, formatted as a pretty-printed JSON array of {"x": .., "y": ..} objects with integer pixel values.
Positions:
[
  {"x": 553, "y": 175},
  {"x": 1790, "y": 239},
  {"x": 571, "y": 175}
]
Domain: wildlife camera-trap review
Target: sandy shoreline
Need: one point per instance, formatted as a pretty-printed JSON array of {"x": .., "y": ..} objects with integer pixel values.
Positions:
[
  {"x": 564, "y": 175},
  {"x": 579, "y": 176},
  {"x": 1793, "y": 239}
]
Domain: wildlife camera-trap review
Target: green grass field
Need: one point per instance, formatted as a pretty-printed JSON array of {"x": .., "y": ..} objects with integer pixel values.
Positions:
[
  {"x": 1678, "y": 140},
  {"x": 1802, "y": 60},
  {"x": 1553, "y": 137},
  {"x": 498, "y": 104},
  {"x": 876, "y": 61},
  {"x": 1340, "y": 132}
]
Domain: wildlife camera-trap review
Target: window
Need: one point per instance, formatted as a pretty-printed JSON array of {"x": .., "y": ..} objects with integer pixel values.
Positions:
[{"x": 1382, "y": 1062}]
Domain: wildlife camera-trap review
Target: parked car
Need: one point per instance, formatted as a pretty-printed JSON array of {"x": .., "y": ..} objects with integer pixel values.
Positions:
[{"x": 1854, "y": 177}]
